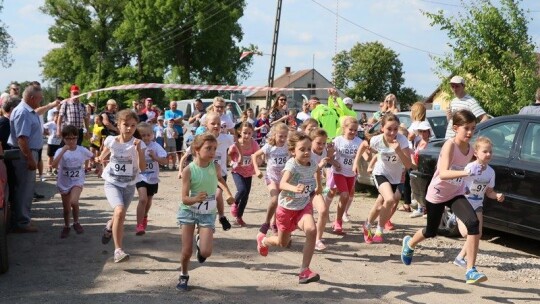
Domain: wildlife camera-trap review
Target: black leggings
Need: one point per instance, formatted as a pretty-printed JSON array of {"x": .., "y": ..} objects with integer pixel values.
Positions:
[{"x": 461, "y": 208}]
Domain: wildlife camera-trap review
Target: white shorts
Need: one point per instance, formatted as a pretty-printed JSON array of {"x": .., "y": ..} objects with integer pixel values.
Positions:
[{"x": 117, "y": 196}]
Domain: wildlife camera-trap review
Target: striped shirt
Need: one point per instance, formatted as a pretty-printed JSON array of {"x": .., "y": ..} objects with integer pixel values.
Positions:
[
  {"x": 468, "y": 103},
  {"x": 73, "y": 113}
]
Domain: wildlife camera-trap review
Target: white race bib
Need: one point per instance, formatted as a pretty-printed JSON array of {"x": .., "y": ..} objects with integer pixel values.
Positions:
[
  {"x": 150, "y": 169},
  {"x": 456, "y": 181},
  {"x": 245, "y": 161},
  {"x": 279, "y": 161},
  {"x": 390, "y": 158},
  {"x": 308, "y": 189},
  {"x": 72, "y": 173},
  {"x": 207, "y": 206},
  {"x": 121, "y": 167}
]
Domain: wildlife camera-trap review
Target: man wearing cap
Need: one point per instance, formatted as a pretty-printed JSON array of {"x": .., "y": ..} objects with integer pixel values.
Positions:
[
  {"x": 462, "y": 101},
  {"x": 73, "y": 112},
  {"x": 178, "y": 118},
  {"x": 151, "y": 113},
  {"x": 108, "y": 116},
  {"x": 327, "y": 118},
  {"x": 533, "y": 109}
]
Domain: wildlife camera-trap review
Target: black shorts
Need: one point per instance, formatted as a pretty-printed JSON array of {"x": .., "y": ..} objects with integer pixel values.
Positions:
[
  {"x": 51, "y": 150},
  {"x": 179, "y": 143},
  {"x": 151, "y": 189},
  {"x": 95, "y": 147},
  {"x": 381, "y": 179}
]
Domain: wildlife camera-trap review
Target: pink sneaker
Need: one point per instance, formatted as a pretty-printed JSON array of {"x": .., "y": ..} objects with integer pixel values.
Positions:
[
  {"x": 378, "y": 237},
  {"x": 140, "y": 229},
  {"x": 308, "y": 276},
  {"x": 337, "y": 227},
  {"x": 263, "y": 250},
  {"x": 234, "y": 210},
  {"x": 368, "y": 237},
  {"x": 389, "y": 226},
  {"x": 145, "y": 222},
  {"x": 240, "y": 222}
]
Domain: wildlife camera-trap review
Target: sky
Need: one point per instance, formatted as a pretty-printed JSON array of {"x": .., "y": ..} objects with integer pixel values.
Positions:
[{"x": 308, "y": 35}]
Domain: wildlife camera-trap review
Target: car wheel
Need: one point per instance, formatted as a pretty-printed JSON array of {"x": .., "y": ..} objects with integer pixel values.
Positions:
[
  {"x": 448, "y": 226},
  {"x": 4, "y": 265}
]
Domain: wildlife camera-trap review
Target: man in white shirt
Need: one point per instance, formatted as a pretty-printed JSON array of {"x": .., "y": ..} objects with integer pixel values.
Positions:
[
  {"x": 304, "y": 114},
  {"x": 533, "y": 109}
]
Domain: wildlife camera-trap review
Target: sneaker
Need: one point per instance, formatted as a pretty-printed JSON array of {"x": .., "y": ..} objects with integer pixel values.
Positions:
[
  {"x": 263, "y": 250},
  {"x": 140, "y": 229},
  {"x": 42, "y": 178},
  {"x": 234, "y": 210},
  {"x": 183, "y": 283},
  {"x": 389, "y": 226},
  {"x": 346, "y": 218},
  {"x": 264, "y": 228},
  {"x": 406, "y": 251},
  {"x": 145, "y": 222},
  {"x": 274, "y": 228},
  {"x": 107, "y": 235},
  {"x": 120, "y": 256},
  {"x": 38, "y": 196},
  {"x": 308, "y": 276},
  {"x": 368, "y": 237},
  {"x": 319, "y": 246},
  {"x": 473, "y": 276},
  {"x": 225, "y": 223},
  {"x": 78, "y": 228},
  {"x": 65, "y": 232},
  {"x": 461, "y": 262},
  {"x": 200, "y": 258},
  {"x": 240, "y": 222},
  {"x": 378, "y": 237},
  {"x": 337, "y": 227},
  {"x": 417, "y": 213}
]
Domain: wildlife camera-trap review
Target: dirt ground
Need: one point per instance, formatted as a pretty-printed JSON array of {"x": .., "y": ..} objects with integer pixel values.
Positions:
[{"x": 79, "y": 269}]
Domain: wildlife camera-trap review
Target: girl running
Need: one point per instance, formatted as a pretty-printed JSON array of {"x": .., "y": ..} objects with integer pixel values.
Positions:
[
  {"x": 301, "y": 178},
  {"x": 476, "y": 188},
  {"x": 392, "y": 152},
  {"x": 155, "y": 156},
  {"x": 69, "y": 161},
  {"x": 346, "y": 147},
  {"x": 200, "y": 182},
  {"x": 309, "y": 125},
  {"x": 242, "y": 169},
  {"x": 262, "y": 126},
  {"x": 276, "y": 154},
  {"x": 447, "y": 189},
  {"x": 121, "y": 174}
]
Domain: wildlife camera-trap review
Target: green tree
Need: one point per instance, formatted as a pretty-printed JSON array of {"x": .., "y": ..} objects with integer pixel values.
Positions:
[
  {"x": 6, "y": 43},
  {"x": 368, "y": 70},
  {"x": 406, "y": 97},
  {"x": 493, "y": 51}
]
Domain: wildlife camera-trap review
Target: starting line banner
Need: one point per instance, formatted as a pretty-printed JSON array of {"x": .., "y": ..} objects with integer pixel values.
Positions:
[{"x": 196, "y": 87}]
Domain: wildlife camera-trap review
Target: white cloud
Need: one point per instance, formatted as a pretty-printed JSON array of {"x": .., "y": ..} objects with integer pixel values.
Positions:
[{"x": 34, "y": 44}]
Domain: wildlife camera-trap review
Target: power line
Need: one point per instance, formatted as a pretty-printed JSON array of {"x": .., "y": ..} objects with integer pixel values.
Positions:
[{"x": 375, "y": 33}]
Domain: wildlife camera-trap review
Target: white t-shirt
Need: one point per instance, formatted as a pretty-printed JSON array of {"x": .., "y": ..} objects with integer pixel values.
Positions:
[
  {"x": 345, "y": 154},
  {"x": 225, "y": 121},
  {"x": 123, "y": 167},
  {"x": 316, "y": 158},
  {"x": 150, "y": 175},
  {"x": 276, "y": 158},
  {"x": 299, "y": 175},
  {"x": 224, "y": 142},
  {"x": 478, "y": 185},
  {"x": 388, "y": 162},
  {"x": 303, "y": 116},
  {"x": 467, "y": 102},
  {"x": 52, "y": 139},
  {"x": 71, "y": 168}
]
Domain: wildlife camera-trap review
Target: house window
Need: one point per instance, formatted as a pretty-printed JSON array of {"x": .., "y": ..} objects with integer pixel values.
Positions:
[{"x": 311, "y": 86}]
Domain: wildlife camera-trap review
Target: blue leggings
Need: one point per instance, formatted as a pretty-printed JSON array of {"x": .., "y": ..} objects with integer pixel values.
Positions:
[{"x": 243, "y": 187}]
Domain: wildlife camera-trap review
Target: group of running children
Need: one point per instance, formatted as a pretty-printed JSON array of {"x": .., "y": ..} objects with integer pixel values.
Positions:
[{"x": 295, "y": 164}]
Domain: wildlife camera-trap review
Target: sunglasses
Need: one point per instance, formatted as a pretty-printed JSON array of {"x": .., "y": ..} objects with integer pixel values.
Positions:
[
  {"x": 283, "y": 99},
  {"x": 455, "y": 85}
]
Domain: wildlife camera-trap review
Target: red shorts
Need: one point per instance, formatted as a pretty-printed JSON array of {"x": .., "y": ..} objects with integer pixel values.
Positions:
[
  {"x": 287, "y": 220},
  {"x": 344, "y": 183}
]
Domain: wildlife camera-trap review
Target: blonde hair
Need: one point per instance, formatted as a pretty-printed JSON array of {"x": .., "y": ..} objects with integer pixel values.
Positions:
[
  {"x": 418, "y": 111},
  {"x": 144, "y": 126},
  {"x": 481, "y": 141},
  {"x": 294, "y": 138},
  {"x": 279, "y": 127},
  {"x": 212, "y": 115},
  {"x": 348, "y": 120}
]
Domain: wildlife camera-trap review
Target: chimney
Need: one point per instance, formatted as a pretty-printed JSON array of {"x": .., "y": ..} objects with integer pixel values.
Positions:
[{"x": 287, "y": 70}]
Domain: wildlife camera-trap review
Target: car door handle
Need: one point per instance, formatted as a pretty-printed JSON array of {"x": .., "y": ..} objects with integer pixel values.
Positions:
[{"x": 520, "y": 175}]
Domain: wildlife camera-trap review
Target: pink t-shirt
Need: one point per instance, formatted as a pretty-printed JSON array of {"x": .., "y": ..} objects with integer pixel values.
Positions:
[
  {"x": 440, "y": 191},
  {"x": 242, "y": 163}
]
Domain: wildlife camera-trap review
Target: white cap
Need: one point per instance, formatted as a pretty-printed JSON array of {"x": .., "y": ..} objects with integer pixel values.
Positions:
[
  {"x": 423, "y": 125},
  {"x": 457, "y": 79},
  {"x": 348, "y": 101}
]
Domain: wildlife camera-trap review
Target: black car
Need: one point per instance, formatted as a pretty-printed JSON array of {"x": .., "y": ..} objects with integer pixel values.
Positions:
[{"x": 516, "y": 161}]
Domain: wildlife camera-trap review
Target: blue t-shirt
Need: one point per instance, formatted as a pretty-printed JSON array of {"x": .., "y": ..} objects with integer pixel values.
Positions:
[{"x": 174, "y": 114}]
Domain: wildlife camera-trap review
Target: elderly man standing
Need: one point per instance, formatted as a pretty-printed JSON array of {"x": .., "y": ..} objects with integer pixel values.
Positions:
[
  {"x": 25, "y": 135},
  {"x": 327, "y": 118},
  {"x": 219, "y": 107},
  {"x": 178, "y": 117},
  {"x": 73, "y": 112},
  {"x": 462, "y": 101}
]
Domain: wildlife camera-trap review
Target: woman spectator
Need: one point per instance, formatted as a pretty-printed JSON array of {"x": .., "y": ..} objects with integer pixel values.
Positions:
[
  {"x": 109, "y": 118},
  {"x": 391, "y": 101},
  {"x": 139, "y": 109},
  {"x": 278, "y": 111}
]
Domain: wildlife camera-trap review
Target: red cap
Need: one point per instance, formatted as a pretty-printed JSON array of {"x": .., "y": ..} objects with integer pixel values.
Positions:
[
  {"x": 74, "y": 88},
  {"x": 149, "y": 99}
]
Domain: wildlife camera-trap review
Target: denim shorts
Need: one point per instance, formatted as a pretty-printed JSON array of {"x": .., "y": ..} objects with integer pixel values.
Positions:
[{"x": 188, "y": 217}]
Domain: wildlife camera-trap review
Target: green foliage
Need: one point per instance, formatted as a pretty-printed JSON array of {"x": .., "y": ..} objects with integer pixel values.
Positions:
[
  {"x": 493, "y": 51},
  {"x": 6, "y": 43},
  {"x": 108, "y": 43},
  {"x": 368, "y": 70},
  {"x": 407, "y": 96}
]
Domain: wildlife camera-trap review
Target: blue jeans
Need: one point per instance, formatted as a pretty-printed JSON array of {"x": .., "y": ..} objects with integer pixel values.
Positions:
[
  {"x": 243, "y": 187},
  {"x": 23, "y": 191}
]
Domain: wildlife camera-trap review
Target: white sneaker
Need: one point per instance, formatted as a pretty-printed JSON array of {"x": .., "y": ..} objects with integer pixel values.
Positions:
[
  {"x": 346, "y": 218},
  {"x": 414, "y": 203},
  {"x": 42, "y": 178},
  {"x": 418, "y": 212}
]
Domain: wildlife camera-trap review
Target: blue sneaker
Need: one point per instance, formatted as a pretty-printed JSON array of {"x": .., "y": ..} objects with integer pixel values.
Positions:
[
  {"x": 183, "y": 283},
  {"x": 461, "y": 262},
  {"x": 406, "y": 251},
  {"x": 473, "y": 276}
]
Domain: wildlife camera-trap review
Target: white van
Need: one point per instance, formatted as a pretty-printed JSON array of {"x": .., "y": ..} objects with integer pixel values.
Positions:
[{"x": 187, "y": 106}]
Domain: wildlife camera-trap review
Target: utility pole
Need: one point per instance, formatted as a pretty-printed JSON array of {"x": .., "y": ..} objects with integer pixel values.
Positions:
[{"x": 274, "y": 51}]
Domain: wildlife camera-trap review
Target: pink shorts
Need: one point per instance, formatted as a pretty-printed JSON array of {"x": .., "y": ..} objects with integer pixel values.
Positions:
[
  {"x": 330, "y": 182},
  {"x": 344, "y": 183},
  {"x": 287, "y": 220}
]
